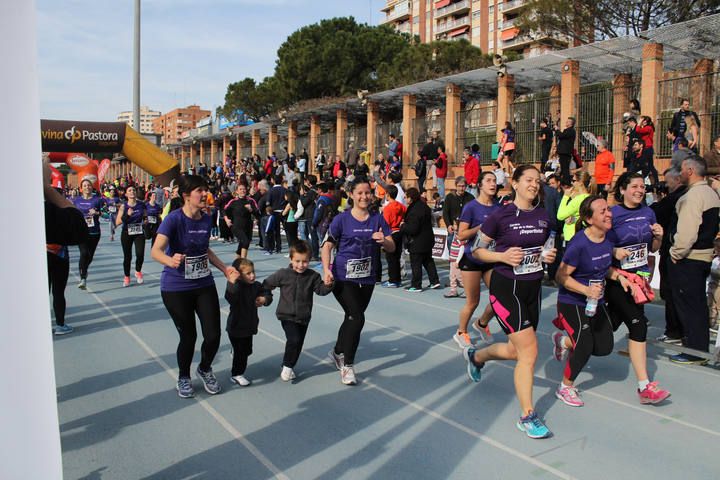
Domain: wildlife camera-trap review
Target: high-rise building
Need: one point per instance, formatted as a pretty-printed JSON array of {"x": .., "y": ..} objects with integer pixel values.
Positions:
[
  {"x": 487, "y": 24},
  {"x": 147, "y": 117},
  {"x": 172, "y": 125}
]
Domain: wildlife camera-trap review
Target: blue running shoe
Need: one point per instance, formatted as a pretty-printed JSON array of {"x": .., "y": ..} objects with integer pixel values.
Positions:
[
  {"x": 390, "y": 285},
  {"x": 413, "y": 289},
  {"x": 473, "y": 369},
  {"x": 209, "y": 381},
  {"x": 184, "y": 388},
  {"x": 533, "y": 426},
  {"x": 63, "y": 329}
]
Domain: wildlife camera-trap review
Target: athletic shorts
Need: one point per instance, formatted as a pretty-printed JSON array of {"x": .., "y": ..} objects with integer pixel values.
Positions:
[
  {"x": 623, "y": 309},
  {"x": 516, "y": 303},
  {"x": 466, "y": 265}
]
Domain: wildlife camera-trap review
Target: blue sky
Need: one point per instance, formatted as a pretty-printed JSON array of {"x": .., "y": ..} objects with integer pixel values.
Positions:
[{"x": 191, "y": 49}]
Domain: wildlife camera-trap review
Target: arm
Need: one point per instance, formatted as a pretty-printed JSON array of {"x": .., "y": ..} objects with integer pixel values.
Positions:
[
  {"x": 568, "y": 207},
  {"x": 120, "y": 215},
  {"x": 411, "y": 226},
  {"x": 565, "y": 279},
  {"x": 273, "y": 281},
  {"x": 320, "y": 287},
  {"x": 158, "y": 253},
  {"x": 215, "y": 260},
  {"x": 465, "y": 232},
  {"x": 689, "y": 214},
  {"x": 379, "y": 180},
  {"x": 325, "y": 255},
  {"x": 512, "y": 256},
  {"x": 266, "y": 295}
]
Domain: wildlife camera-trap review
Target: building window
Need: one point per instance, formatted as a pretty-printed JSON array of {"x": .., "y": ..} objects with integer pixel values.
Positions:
[
  {"x": 491, "y": 44},
  {"x": 476, "y": 32},
  {"x": 499, "y": 24},
  {"x": 491, "y": 10},
  {"x": 491, "y": 27},
  {"x": 476, "y": 14},
  {"x": 416, "y": 20}
]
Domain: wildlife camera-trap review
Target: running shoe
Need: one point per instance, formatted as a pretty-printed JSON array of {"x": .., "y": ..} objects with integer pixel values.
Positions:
[
  {"x": 560, "y": 351},
  {"x": 569, "y": 395},
  {"x": 240, "y": 380},
  {"x": 413, "y": 290},
  {"x": 139, "y": 278},
  {"x": 337, "y": 359},
  {"x": 451, "y": 294},
  {"x": 670, "y": 340},
  {"x": 434, "y": 286},
  {"x": 390, "y": 285},
  {"x": 462, "y": 339},
  {"x": 287, "y": 374},
  {"x": 652, "y": 394},
  {"x": 267, "y": 253},
  {"x": 126, "y": 281},
  {"x": 474, "y": 370},
  {"x": 484, "y": 332},
  {"x": 533, "y": 426},
  {"x": 63, "y": 329},
  {"x": 347, "y": 375},
  {"x": 184, "y": 388},
  {"x": 686, "y": 359},
  {"x": 209, "y": 381},
  {"x": 83, "y": 284}
]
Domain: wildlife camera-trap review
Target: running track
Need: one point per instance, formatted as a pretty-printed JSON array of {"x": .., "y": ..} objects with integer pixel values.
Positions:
[{"x": 414, "y": 414}]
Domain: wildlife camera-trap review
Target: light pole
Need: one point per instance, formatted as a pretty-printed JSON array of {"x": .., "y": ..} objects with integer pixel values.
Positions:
[{"x": 136, "y": 68}]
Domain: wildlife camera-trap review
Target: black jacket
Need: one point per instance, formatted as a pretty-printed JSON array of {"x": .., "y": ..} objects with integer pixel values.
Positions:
[
  {"x": 308, "y": 202},
  {"x": 453, "y": 205},
  {"x": 243, "y": 318},
  {"x": 64, "y": 226},
  {"x": 566, "y": 141},
  {"x": 296, "y": 293},
  {"x": 276, "y": 197},
  {"x": 418, "y": 229}
]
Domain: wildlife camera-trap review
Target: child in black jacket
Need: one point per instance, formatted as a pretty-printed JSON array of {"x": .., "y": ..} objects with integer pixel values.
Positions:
[
  {"x": 244, "y": 295},
  {"x": 297, "y": 285}
]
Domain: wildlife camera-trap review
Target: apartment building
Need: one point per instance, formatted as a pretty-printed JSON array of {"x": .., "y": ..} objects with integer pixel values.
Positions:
[
  {"x": 487, "y": 24},
  {"x": 174, "y": 123},
  {"x": 147, "y": 116}
]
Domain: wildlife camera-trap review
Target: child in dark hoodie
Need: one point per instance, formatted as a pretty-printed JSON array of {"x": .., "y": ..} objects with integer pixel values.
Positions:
[
  {"x": 244, "y": 295},
  {"x": 297, "y": 285}
]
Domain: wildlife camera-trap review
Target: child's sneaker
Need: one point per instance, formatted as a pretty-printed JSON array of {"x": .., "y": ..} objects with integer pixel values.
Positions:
[
  {"x": 569, "y": 395},
  {"x": 139, "y": 278},
  {"x": 240, "y": 380},
  {"x": 337, "y": 359},
  {"x": 533, "y": 426},
  {"x": 560, "y": 351},
  {"x": 184, "y": 388},
  {"x": 652, "y": 394},
  {"x": 347, "y": 375},
  {"x": 287, "y": 374}
]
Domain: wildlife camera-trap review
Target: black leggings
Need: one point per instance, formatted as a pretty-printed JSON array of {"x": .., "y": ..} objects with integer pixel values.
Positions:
[
  {"x": 87, "y": 252},
  {"x": 393, "y": 259},
  {"x": 127, "y": 242},
  {"x": 295, "y": 337},
  {"x": 623, "y": 309},
  {"x": 182, "y": 307},
  {"x": 589, "y": 336},
  {"x": 243, "y": 234},
  {"x": 242, "y": 349},
  {"x": 58, "y": 272},
  {"x": 291, "y": 232},
  {"x": 418, "y": 261},
  {"x": 354, "y": 300}
]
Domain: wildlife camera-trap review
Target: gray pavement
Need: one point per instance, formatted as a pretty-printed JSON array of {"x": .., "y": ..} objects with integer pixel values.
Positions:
[{"x": 414, "y": 414}]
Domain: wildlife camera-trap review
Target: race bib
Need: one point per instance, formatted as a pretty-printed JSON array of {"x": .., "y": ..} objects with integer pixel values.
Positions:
[
  {"x": 638, "y": 257},
  {"x": 152, "y": 219},
  {"x": 196, "y": 267},
  {"x": 531, "y": 261},
  {"x": 359, "y": 268},
  {"x": 135, "y": 229},
  {"x": 90, "y": 220},
  {"x": 112, "y": 209}
]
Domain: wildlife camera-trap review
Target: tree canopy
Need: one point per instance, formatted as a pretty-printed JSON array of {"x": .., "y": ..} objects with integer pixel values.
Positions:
[{"x": 338, "y": 57}]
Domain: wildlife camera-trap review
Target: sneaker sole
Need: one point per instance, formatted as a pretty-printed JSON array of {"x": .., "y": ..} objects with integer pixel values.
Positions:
[
  {"x": 183, "y": 395},
  {"x": 562, "y": 399},
  {"x": 56, "y": 332},
  {"x": 471, "y": 368},
  {"x": 240, "y": 384},
  {"x": 536, "y": 437}
]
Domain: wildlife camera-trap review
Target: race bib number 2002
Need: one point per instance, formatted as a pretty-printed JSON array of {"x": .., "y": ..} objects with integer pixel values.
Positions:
[{"x": 531, "y": 262}]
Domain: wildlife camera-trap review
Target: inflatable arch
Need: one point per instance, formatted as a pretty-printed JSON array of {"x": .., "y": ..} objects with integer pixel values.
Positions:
[{"x": 65, "y": 137}]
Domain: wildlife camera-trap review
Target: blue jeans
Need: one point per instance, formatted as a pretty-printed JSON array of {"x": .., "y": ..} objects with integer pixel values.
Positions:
[
  {"x": 303, "y": 230},
  {"x": 441, "y": 187}
]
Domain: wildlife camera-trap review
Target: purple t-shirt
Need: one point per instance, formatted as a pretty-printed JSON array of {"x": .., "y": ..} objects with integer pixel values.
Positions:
[
  {"x": 475, "y": 213},
  {"x": 511, "y": 227},
  {"x": 133, "y": 223},
  {"x": 591, "y": 261},
  {"x": 190, "y": 238},
  {"x": 85, "y": 205},
  {"x": 631, "y": 229},
  {"x": 357, "y": 253},
  {"x": 153, "y": 213}
]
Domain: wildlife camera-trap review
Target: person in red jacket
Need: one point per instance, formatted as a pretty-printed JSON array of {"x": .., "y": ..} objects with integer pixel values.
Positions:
[
  {"x": 394, "y": 214},
  {"x": 472, "y": 171},
  {"x": 646, "y": 131},
  {"x": 441, "y": 170}
]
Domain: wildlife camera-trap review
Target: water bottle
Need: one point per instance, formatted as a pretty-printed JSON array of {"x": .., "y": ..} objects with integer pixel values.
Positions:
[
  {"x": 591, "y": 307},
  {"x": 549, "y": 245}
]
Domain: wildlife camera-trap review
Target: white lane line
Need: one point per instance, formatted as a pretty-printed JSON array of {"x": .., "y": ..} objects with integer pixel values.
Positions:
[{"x": 235, "y": 433}]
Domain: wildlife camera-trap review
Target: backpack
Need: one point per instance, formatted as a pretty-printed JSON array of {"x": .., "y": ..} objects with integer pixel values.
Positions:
[{"x": 420, "y": 167}]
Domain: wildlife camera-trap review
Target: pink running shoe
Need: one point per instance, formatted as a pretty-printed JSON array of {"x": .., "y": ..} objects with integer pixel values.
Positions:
[
  {"x": 560, "y": 351},
  {"x": 126, "y": 281},
  {"x": 139, "y": 278},
  {"x": 652, "y": 394},
  {"x": 569, "y": 395}
]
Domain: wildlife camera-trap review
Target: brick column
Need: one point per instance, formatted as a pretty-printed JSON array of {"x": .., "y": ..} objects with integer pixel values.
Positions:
[
  {"x": 373, "y": 115},
  {"x": 272, "y": 139},
  {"x": 213, "y": 153},
  {"x": 555, "y": 93},
  {"x": 182, "y": 158},
  {"x": 292, "y": 137},
  {"x": 340, "y": 132},
  {"x": 702, "y": 99},
  {"x": 239, "y": 138},
  {"x": 652, "y": 73},
  {"x": 202, "y": 153},
  {"x": 192, "y": 155},
  {"x": 452, "y": 107},
  {"x": 569, "y": 90},
  {"x": 505, "y": 97},
  {"x": 622, "y": 93},
  {"x": 255, "y": 141},
  {"x": 314, "y": 134},
  {"x": 226, "y": 147},
  {"x": 408, "y": 134}
]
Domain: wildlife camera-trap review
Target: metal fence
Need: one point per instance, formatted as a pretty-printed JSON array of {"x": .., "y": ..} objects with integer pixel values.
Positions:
[
  {"x": 477, "y": 125},
  {"x": 357, "y": 135},
  {"x": 245, "y": 152},
  {"x": 302, "y": 142},
  {"x": 382, "y": 134},
  {"x": 326, "y": 142},
  {"x": 702, "y": 92},
  {"x": 430, "y": 125},
  {"x": 526, "y": 115},
  {"x": 262, "y": 150}
]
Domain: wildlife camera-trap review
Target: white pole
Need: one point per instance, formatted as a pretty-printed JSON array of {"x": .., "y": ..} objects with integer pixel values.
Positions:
[
  {"x": 29, "y": 436},
  {"x": 136, "y": 68}
]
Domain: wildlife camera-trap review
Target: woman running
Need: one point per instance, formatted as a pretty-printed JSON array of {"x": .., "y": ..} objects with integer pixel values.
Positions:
[
  {"x": 507, "y": 148},
  {"x": 357, "y": 236},
  {"x": 474, "y": 271},
  {"x": 239, "y": 213},
  {"x": 520, "y": 230},
  {"x": 90, "y": 205},
  {"x": 186, "y": 283},
  {"x": 154, "y": 212},
  {"x": 131, "y": 216},
  {"x": 581, "y": 306},
  {"x": 635, "y": 231},
  {"x": 112, "y": 200}
]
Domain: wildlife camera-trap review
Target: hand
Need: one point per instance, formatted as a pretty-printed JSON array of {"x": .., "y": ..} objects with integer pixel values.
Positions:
[
  {"x": 329, "y": 278},
  {"x": 657, "y": 230},
  {"x": 379, "y": 236},
  {"x": 451, "y": 229},
  {"x": 228, "y": 222},
  {"x": 513, "y": 256},
  {"x": 92, "y": 211},
  {"x": 625, "y": 283},
  {"x": 550, "y": 256},
  {"x": 249, "y": 208},
  {"x": 233, "y": 276},
  {"x": 231, "y": 271},
  {"x": 176, "y": 260},
  {"x": 715, "y": 183},
  {"x": 621, "y": 253},
  {"x": 595, "y": 291},
  {"x": 260, "y": 302}
]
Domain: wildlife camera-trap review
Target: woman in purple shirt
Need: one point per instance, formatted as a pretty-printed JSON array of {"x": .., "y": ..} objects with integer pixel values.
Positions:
[
  {"x": 519, "y": 229},
  {"x": 186, "y": 283},
  {"x": 356, "y": 235},
  {"x": 90, "y": 205},
  {"x": 131, "y": 215}
]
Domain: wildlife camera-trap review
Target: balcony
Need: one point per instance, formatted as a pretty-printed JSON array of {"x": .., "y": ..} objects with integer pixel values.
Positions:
[
  {"x": 522, "y": 41},
  {"x": 444, "y": 27},
  {"x": 454, "y": 8},
  {"x": 514, "y": 5},
  {"x": 402, "y": 11},
  {"x": 508, "y": 23}
]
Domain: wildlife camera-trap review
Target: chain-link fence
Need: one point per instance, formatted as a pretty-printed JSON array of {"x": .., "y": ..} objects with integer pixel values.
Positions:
[
  {"x": 302, "y": 142},
  {"x": 526, "y": 114},
  {"x": 262, "y": 150},
  {"x": 326, "y": 143},
  {"x": 357, "y": 135},
  {"x": 477, "y": 125},
  {"x": 430, "y": 125}
]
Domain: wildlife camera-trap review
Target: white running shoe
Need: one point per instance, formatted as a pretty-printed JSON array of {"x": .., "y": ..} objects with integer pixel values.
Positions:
[
  {"x": 338, "y": 360},
  {"x": 287, "y": 374},
  {"x": 240, "y": 380},
  {"x": 83, "y": 284},
  {"x": 347, "y": 375},
  {"x": 462, "y": 339}
]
